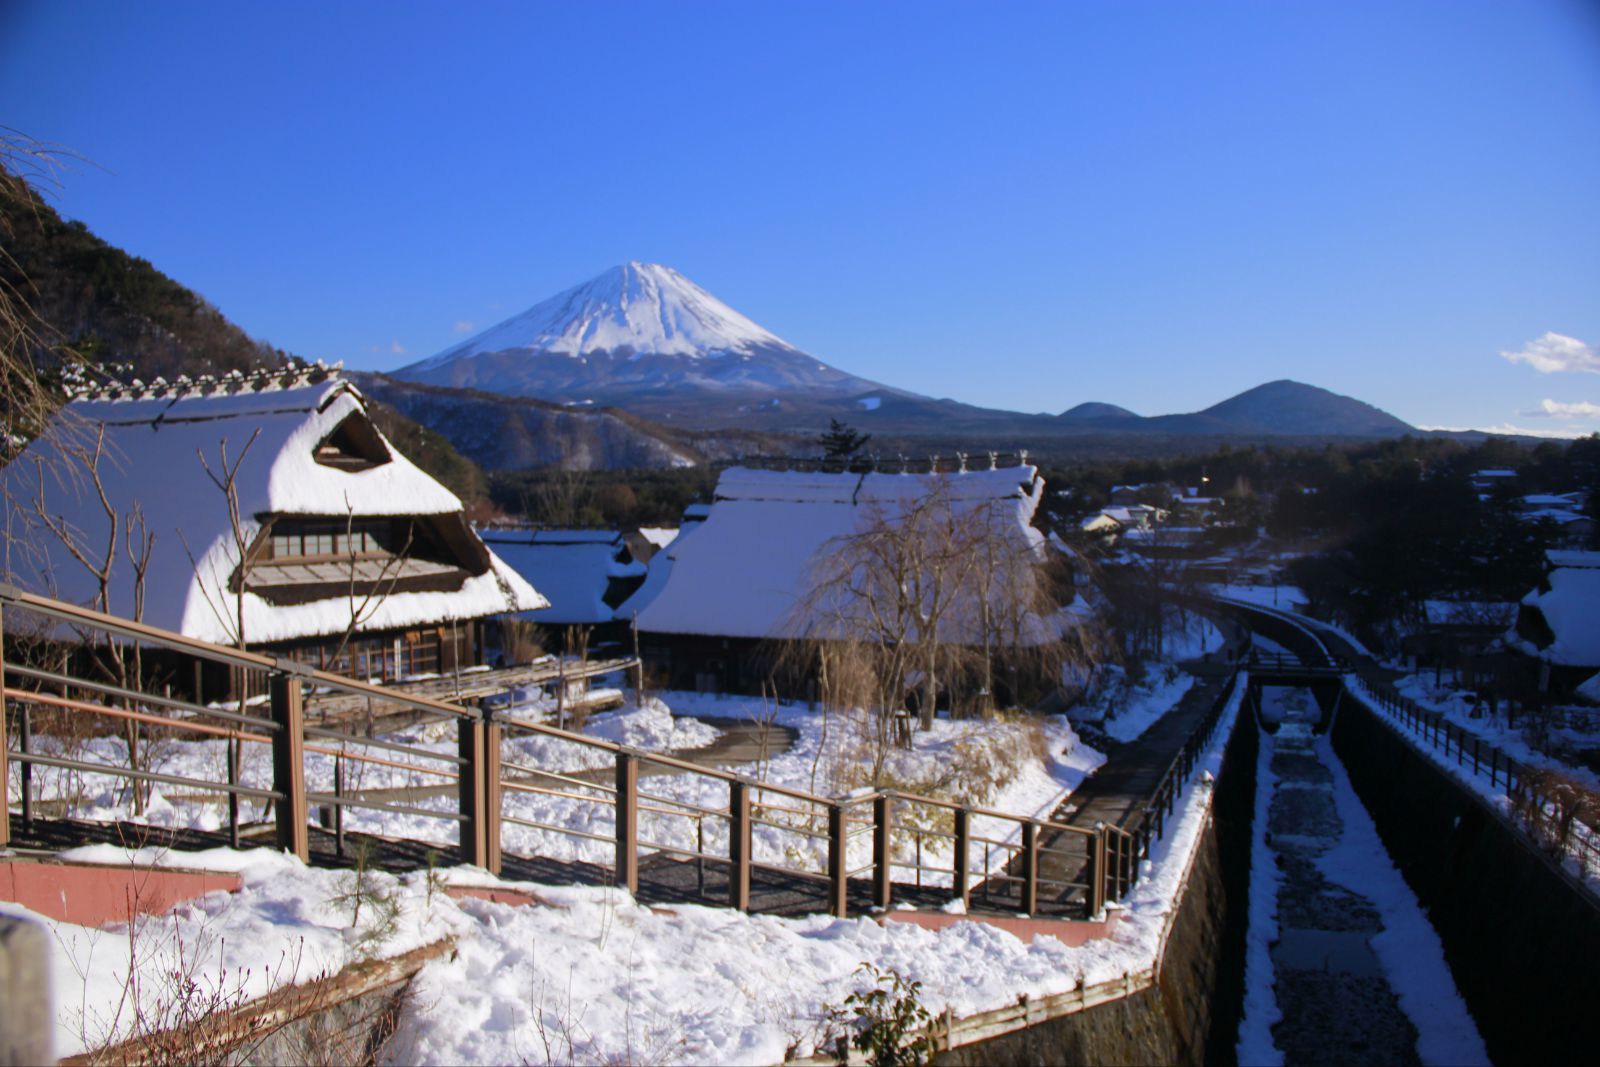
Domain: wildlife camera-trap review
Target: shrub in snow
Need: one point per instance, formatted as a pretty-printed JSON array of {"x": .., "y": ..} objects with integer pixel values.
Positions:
[{"x": 886, "y": 1021}]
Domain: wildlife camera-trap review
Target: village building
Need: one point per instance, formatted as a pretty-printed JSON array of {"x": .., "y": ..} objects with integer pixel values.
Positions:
[
  {"x": 1459, "y": 635},
  {"x": 1567, "y": 512},
  {"x": 586, "y": 575},
  {"x": 1558, "y": 624},
  {"x": 736, "y": 582},
  {"x": 1491, "y": 480},
  {"x": 265, "y": 510}
]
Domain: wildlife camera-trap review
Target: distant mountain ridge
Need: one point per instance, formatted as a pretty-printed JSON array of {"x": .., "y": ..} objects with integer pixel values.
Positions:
[
  {"x": 1095, "y": 409},
  {"x": 643, "y": 338},
  {"x": 1282, "y": 408}
]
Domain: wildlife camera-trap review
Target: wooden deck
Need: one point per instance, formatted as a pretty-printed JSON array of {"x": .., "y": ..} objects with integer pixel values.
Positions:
[{"x": 469, "y": 686}]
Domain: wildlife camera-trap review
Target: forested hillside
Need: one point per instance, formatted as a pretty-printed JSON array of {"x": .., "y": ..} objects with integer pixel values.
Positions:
[{"x": 110, "y": 308}]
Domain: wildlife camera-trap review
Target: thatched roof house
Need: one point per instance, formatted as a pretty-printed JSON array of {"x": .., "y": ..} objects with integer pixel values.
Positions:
[{"x": 339, "y": 532}]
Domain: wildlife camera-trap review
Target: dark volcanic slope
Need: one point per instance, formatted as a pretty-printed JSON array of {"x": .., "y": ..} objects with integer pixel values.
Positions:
[
  {"x": 1095, "y": 409},
  {"x": 1295, "y": 408},
  {"x": 514, "y": 433}
]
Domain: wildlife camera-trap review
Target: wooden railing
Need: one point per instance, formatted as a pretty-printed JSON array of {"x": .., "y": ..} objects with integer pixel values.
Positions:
[
  {"x": 1130, "y": 841},
  {"x": 836, "y": 852}
]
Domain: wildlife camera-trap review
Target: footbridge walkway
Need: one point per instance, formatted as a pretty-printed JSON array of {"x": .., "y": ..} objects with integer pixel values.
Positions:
[{"x": 536, "y": 802}]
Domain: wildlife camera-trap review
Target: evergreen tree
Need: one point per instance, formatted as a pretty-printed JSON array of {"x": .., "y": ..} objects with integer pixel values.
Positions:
[{"x": 842, "y": 441}]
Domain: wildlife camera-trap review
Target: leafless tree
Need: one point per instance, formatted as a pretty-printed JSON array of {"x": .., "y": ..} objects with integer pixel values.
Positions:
[
  {"x": 79, "y": 466},
  {"x": 565, "y": 497},
  {"x": 928, "y": 598},
  {"x": 226, "y": 479}
]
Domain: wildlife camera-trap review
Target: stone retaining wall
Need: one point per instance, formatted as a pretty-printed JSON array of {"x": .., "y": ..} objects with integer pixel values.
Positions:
[{"x": 1522, "y": 942}]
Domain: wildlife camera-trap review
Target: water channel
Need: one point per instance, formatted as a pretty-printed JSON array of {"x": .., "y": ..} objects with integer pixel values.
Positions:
[{"x": 1343, "y": 965}]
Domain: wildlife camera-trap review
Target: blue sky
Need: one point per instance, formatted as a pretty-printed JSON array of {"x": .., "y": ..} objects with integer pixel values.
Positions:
[{"x": 1017, "y": 205}]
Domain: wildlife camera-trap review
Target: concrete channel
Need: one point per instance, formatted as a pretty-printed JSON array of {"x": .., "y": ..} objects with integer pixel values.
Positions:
[{"x": 1336, "y": 1002}]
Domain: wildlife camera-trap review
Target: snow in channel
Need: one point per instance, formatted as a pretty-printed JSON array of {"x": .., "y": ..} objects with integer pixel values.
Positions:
[
  {"x": 1261, "y": 1010},
  {"x": 1408, "y": 947}
]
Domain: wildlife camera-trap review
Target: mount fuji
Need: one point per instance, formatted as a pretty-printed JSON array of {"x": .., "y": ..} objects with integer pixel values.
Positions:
[{"x": 642, "y": 336}]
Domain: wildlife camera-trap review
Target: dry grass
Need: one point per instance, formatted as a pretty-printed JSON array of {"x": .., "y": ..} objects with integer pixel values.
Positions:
[{"x": 1551, "y": 804}]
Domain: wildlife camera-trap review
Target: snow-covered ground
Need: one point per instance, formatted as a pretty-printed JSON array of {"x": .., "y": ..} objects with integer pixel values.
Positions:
[
  {"x": 1283, "y": 597},
  {"x": 104, "y": 797},
  {"x": 1260, "y": 1012},
  {"x": 590, "y": 975},
  {"x": 289, "y": 924},
  {"x": 601, "y": 979},
  {"x": 1582, "y": 852},
  {"x": 1125, "y": 709}
]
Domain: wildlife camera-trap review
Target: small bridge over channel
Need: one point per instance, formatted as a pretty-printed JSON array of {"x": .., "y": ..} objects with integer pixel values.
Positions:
[{"x": 1320, "y": 673}]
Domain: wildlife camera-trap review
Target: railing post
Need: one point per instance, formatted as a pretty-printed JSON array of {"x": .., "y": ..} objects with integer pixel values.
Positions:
[
  {"x": 490, "y": 818},
  {"x": 289, "y": 764},
  {"x": 882, "y": 851},
  {"x": 5, "y": 762},
  {"x": 739, "y": 844},
  {"x": 963, "y": 865},
  {"x": 25, "y": 746},
  {"x": 1095, "y": 895},
  {"x": 338, "y": 809},
  {"x": 471, "y": 797},
  {"x": 838, "y": 881},
  {"x": 1030, "y": 867},
  {"x": 627, "y": 869}
]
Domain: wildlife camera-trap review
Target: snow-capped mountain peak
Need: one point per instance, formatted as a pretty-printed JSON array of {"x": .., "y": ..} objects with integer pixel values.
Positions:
[
  {"x": 645, "y": 308},
  {"x": 638, "y": 333}
]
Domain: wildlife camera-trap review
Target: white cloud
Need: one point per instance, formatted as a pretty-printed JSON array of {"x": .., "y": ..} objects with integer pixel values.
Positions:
[
  {"x": 1556, "y": 409},
  {"x": 1506, "y": 428},
  {"x": 397, "y": 348},
  {"x": 462, "y": 326},
  {"x": 1557, "y": 352}
]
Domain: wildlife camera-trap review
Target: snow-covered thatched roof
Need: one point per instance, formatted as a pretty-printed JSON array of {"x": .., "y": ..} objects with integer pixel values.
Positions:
[
  {"x": 746, "y": 569},
  {"x": 1570, "y": 611},
  {"x": 574, "y": 569},
  {"x": 271, "y": 427}
]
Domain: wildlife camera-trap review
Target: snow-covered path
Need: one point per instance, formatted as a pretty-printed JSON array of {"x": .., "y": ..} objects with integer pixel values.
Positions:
[{"x": 1356, "y": 973}]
